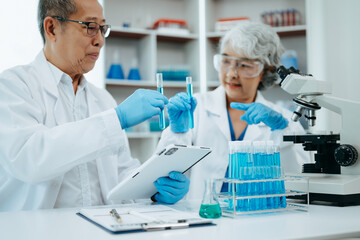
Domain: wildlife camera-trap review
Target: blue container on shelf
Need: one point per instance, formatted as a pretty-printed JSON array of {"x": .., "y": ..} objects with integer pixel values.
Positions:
[
  {"x": 115, "y": 72},
  {"x": 289, "y": 59},
  {"x": 134, "y": 74},
  {"x": 175, "y": 72}
]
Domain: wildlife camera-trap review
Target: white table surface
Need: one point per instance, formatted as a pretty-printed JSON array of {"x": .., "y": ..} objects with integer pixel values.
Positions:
[{"x": 320, "y": 222}]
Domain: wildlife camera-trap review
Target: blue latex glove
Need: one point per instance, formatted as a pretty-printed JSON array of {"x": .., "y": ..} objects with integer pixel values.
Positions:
[
  {"x": 141, "y": 105},
  {"x": 257, "y": 112},
  {"x": 178, "y": 112},
  {"x": 171, "y": 189}
]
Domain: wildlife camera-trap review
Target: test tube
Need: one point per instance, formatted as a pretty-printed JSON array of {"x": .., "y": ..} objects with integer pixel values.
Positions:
[
  {"x": 189, "y": 89},
  {"x": 160, "y": 89}
]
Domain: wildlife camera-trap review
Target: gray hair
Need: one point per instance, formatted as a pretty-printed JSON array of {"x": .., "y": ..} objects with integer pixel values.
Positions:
[
  {"x": 256, "y": 41},
  {"x": 59, "y": 8}
]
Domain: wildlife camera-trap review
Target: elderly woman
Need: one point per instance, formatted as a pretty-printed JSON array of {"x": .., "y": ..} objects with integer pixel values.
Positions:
[{"x": 236, "y": 110}]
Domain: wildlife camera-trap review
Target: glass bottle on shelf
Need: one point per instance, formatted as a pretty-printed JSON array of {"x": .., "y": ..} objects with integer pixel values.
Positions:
[
  {"x": 115, "y": 71},
  {"x": 210, "y": 207},
  {"x": 134, "y": 73}
]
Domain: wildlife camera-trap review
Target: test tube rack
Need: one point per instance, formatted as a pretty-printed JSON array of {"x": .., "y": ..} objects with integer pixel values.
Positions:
[{"x": 234, "y": 204}]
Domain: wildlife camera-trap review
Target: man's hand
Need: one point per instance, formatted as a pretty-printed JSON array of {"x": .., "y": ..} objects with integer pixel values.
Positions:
[
  {"x": 171, "y": 189},
  {"x": 178, "y": 109},
  {"x": 140, "y": 106}
]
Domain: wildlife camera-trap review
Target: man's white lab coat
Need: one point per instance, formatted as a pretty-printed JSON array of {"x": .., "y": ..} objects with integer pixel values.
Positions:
[
  {"x": 38, "y": 146},
  {"x": 212, "y": 130}
]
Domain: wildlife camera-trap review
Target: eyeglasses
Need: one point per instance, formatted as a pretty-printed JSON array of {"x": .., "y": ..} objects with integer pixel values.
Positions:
[
  {"x": 242, "y": 66},
  {"x": 92, "y": 27}
]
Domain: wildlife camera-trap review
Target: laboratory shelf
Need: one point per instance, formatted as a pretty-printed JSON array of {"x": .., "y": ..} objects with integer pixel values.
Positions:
[
  {"x": 146, "y": 83},
  {"x": 138, "y": 33},
  {"x": 286, "y": 31},
  {"x": 291, "y": 31},
  {"x": 135, "y": 33},
  {"x": 137, "y": 135},
  {"x": 176, "y": 37}
]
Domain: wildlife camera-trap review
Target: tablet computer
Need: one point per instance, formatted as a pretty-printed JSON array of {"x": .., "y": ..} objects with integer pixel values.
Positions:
[{"x": 139, "y": 184}]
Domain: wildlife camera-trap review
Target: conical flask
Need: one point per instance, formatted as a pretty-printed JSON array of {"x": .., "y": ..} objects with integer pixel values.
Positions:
[{"x": 210, "y": 207}]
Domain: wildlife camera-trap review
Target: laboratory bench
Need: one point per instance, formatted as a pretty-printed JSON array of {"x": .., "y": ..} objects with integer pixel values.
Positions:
[{"x": 319, "y": 222}]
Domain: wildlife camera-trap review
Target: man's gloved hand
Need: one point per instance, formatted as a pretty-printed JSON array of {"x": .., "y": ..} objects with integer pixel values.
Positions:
[
  {"x": 178, "y": 108},
  {"x": 141, "y": 105},
  {"x": 171, "y": 189},
  {"x": 257, "y": 112}
]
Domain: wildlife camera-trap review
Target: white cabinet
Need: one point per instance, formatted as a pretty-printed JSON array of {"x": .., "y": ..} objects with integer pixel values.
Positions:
[{"x": 153, "y": 50}]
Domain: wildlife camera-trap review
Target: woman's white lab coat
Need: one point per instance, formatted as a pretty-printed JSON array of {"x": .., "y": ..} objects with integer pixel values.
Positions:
[
  {"x": 38, "y": 146},
  {"x": 212, "y": 130}
]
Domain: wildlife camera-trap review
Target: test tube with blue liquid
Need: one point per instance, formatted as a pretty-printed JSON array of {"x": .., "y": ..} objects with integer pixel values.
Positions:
[
  {"x": 281, "y": 184},
  {"x": 189, "y": 90},
  {"x": 160, "y": 89}
]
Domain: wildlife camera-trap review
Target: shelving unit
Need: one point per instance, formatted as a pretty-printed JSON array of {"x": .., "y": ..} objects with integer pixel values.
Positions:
[
  {"x": 154, "y": 50},
  {"x": 286, "y": 31}
]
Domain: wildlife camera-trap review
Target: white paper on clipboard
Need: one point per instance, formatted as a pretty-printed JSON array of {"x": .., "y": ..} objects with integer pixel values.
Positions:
[
  {"x": 135, "y": 217},
  {"x": 139, "y": 185}
]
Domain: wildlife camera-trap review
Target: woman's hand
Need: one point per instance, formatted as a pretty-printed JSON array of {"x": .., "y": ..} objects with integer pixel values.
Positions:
[{"x": 257, "y": 112}]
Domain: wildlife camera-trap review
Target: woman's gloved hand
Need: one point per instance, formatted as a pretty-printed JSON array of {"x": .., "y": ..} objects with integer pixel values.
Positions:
[
  {"x": 140, "y": 106},
  {"x": 171, "y": 189},
  {"x": 178, "y": 108},
  {"x": 257, "y": 112}
]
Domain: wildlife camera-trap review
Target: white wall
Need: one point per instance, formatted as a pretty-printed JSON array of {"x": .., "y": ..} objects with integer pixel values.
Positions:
[
  {"x": 333, "y": 41},
  {"x": 20, "y": 39}
]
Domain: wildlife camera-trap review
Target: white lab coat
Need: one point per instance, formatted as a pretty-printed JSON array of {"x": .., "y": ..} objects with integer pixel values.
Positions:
[
  {"x": 212, "y": 130},
  {"x": 38, "y": 146}
]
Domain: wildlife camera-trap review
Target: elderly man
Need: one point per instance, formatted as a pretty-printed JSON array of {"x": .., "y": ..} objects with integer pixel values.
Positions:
[{"x": 62, "y": 141}]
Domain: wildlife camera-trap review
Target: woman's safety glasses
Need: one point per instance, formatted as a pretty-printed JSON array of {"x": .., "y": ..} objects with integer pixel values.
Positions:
[{"x": 242, "y": 66}]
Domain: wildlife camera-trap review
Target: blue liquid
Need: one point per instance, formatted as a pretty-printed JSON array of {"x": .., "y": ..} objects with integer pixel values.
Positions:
[
  {"x": 191, "y": 117},
  {"x": 210, "y": 211},
  {"x": 134, "y": 74},
  {"x": 115, "y": 72},
  {"x": 281, "y": 184},
  {"x": 257, "y": 166},
  {"x": 162, "y": 113}
]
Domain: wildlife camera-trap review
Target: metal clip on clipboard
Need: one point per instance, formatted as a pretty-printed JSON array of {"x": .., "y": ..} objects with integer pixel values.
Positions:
[{"x": 154, "y": 226}]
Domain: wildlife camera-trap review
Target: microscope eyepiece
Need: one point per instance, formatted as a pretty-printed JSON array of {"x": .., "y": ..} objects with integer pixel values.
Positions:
[
  {"x": 293, "y": 70},
  {"x": 283, "y": 72}
]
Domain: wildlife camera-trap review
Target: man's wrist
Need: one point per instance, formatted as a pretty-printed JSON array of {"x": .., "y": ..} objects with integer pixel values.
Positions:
[{"x": 122, "y": 120}]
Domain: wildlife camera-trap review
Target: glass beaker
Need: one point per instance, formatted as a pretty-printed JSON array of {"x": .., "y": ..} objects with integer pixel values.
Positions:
[{"x": 210, "y": 207}]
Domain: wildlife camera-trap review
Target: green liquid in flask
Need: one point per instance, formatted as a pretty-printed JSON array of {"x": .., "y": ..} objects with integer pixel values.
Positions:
[{"x": 210, "y": 211}]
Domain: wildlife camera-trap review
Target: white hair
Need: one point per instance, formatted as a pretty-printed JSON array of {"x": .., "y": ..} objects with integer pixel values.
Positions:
[{"x": 256, "y": 41}]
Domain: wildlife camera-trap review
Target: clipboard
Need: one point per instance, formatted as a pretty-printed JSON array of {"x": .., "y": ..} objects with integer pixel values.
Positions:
[
  {"x": 142, "y": 218},
  {"x": 139, "y": 184}
]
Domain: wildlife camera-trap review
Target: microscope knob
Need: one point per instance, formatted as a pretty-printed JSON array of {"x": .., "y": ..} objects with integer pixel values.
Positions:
[{"x": 345, "y": 155}]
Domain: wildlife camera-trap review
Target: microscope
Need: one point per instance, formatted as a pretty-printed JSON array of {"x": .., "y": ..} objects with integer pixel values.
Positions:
[{"x": 335, "y": 176}]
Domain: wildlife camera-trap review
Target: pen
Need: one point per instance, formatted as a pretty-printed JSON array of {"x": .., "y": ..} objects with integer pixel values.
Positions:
[
  {"x": 190, "y": 94},
  {"x": 116, "y": 215},
  {"x": 160, "y": 89}
]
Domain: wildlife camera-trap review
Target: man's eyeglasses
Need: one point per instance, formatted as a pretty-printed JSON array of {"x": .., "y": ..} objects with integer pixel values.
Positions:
[
  {"x": 244, "y": 67},
  {"x": 92, "y": 27}
]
